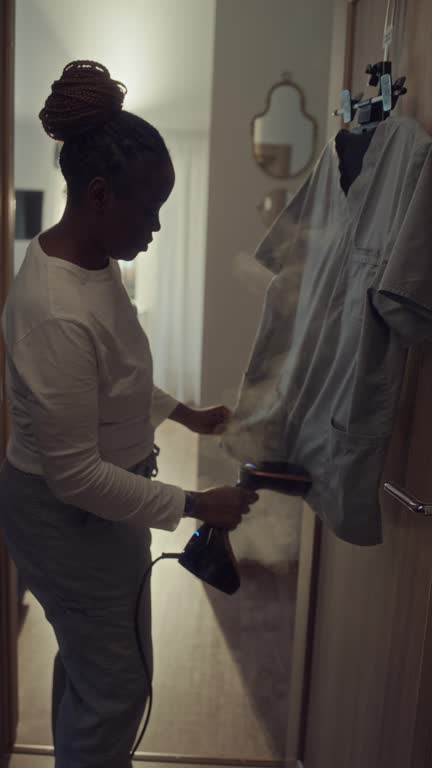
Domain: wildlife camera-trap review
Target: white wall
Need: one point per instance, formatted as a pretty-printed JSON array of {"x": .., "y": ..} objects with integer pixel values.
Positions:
[
  {"x": 163, "y": 51},
  {"x": 35, "y": 169},
  {"x": 255, "y": 41},
  {"x": 152, "y": 45}
]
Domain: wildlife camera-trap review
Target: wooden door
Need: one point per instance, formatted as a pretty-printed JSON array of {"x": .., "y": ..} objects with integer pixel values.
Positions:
[
  {"x": 370, "y": 695},
  {"x": 8, "y": 591}
]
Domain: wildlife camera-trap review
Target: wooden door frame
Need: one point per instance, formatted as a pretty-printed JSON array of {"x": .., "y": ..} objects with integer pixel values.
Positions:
[
  {"x": 8, "y": 589},
  {"x": 349, "y": 43},
  {"x": 341, "y": 68}
]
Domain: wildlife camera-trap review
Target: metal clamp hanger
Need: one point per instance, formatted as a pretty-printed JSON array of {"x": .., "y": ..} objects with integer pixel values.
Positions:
[{"x": 377, "y": 108}]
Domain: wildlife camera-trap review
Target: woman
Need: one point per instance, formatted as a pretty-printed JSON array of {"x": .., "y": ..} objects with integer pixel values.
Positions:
[{"x": 77, "y": 498}]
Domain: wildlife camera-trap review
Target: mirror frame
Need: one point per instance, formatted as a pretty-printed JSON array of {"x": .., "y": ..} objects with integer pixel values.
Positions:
[{"x": 286, "y": 80}]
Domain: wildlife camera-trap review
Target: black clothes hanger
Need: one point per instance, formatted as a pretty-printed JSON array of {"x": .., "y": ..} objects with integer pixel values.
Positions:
[{"x": 351, "y": 149}]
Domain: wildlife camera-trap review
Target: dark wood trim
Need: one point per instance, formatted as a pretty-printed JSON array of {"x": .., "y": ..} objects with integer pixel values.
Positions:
[
  {"x": 8, "y": 590},
  {"x": 167, "y": 759},
  {"x": 421, "y": 754},
  {"x": 422, "y": 740},
  {"x": 7, "y": 194},
  {"x": 349, "y": 43},
  {"x": 307, "y": 585},
  {"x": 310, "y": 635},
  {"x": 8, "y": 653}
]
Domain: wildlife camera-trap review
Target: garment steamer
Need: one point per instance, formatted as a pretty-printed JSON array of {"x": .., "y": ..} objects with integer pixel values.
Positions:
[{"x": 208, "y": 554}]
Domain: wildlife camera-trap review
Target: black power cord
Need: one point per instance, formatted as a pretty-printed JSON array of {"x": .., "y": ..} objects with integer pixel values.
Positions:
[{"x": 164, "y": 556}]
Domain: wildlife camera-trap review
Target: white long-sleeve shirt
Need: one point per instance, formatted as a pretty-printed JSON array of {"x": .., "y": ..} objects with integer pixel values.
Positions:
[{"x": 79, "y": 380}]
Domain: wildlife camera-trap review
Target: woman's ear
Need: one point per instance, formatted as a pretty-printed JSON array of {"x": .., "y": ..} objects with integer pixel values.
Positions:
[{"x": 99, "y": 194}]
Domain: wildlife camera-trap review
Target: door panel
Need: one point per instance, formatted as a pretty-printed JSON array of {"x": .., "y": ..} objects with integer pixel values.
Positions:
[
  {"x": 372, "y": 608},
  {"x": 371, "y": 690},
  {"x": 416, "y": 60}
]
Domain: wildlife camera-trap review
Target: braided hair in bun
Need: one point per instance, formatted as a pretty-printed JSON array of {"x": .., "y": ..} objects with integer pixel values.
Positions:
[{"x": 85, "y": 111}]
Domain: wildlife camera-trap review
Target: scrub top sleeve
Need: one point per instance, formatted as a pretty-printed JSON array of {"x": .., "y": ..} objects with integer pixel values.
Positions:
[{"x": 404, "y": 295}]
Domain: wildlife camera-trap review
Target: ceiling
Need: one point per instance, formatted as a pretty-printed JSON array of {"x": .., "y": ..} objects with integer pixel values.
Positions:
[{"x": 161, "y": 49}]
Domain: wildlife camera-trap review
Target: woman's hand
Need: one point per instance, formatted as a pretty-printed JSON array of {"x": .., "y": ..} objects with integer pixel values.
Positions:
[
  {"x": 223, "y": 507},
  {"x": 204, "y": 421},
  {"x": 210, "y": 421}
]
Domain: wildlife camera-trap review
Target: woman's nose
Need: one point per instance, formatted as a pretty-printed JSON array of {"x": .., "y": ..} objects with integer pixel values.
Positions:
[{"x": 156, "y": 225}]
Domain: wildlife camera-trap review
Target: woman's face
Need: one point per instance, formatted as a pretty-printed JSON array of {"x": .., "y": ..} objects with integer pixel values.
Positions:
[{"x": 126, "y": 223}]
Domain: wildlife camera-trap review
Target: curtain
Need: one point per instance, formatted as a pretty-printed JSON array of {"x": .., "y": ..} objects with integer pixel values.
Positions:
[{"x": 169, "y": 278}]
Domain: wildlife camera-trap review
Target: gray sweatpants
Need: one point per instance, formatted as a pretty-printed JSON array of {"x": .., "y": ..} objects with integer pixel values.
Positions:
[{"x": 86, "y": 573}]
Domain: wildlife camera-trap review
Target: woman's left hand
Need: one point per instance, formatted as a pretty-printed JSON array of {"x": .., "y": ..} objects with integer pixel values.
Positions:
[{"x": 209, "y": 421}]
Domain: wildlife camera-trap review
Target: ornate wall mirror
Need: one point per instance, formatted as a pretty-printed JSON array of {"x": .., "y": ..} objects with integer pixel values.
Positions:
[{"x": 284, "y": 134}]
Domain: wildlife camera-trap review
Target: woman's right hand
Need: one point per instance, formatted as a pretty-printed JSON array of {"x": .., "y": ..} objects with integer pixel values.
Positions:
[{"x": 223, "y": 507}]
